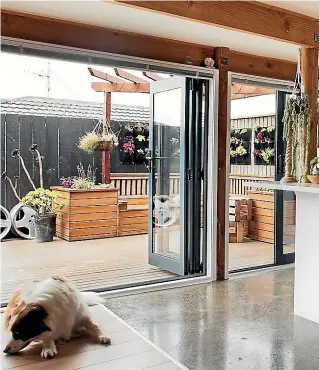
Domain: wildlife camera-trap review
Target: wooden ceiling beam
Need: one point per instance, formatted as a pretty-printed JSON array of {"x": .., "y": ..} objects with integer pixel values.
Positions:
[
  {"x": 65, "y": 33},
  {"x": 129, "y": 76},
  {"x": 122, "y": 87},
  {"x": 152, "y": 76},
  {"x": 104, "y": 76},
  {"x": 244, "y": 16}
]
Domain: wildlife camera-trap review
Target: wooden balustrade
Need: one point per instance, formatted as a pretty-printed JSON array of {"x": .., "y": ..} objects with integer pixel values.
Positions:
[
  {"x": 131, "y": 184},
  {"x": 236, "y": 183}
]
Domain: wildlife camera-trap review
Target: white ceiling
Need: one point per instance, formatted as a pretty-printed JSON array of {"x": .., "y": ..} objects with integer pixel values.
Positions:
[{"x": 112, "y": 15}]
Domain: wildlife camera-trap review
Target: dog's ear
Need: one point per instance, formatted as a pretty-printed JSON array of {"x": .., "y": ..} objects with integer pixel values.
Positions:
[{"x": 38, "y": 314}]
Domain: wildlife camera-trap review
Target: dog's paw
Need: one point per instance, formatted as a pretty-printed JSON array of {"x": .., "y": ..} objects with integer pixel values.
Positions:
[
  {"x": 49, "y": 352},
  {"x": 104, "y": 340}
]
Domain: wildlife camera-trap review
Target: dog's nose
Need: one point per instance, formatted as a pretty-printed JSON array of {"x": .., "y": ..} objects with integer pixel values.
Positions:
[{"x": 7, "y": 349}]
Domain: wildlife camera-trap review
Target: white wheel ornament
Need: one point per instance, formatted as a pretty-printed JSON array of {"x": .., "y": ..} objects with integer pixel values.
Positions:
[
  {"x": 22, "y": 221},
  {"x": 5, "y": 222},
  {"x": 166, "y": 210}
]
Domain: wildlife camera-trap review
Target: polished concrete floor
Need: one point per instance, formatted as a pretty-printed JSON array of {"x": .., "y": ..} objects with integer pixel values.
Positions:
[{"x": 242, "y": 324}]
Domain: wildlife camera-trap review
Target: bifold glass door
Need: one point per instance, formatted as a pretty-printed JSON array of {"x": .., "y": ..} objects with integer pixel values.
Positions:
[
  {"x": 285, "y": 201},
  {"x": 177, "y": 174}
]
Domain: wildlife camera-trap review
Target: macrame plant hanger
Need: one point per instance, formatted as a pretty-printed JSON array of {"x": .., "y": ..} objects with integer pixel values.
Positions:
[{"x": 290, "y": 128}]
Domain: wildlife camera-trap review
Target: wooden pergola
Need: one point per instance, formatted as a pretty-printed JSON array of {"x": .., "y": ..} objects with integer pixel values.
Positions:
[
  {"x": 129, "y": 83},
  {"x": 244, "y": 16}
]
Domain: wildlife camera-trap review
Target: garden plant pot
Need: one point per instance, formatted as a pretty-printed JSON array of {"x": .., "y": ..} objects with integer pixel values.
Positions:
[
  {"x": 44, "y": 227},
  {"x": 314, "y": 179},
  {"x": 104, "y": 145}
]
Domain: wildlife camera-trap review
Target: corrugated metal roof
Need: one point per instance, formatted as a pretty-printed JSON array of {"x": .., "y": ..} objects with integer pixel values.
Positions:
[{"x": 38, "y": 106}]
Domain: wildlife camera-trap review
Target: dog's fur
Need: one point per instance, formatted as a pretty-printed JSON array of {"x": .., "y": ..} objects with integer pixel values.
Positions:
[{"x": 48, "y": 311}]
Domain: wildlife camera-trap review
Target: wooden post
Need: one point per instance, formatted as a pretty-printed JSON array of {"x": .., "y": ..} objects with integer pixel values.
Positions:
[
  {"x": 309, "y": 78},
  {"x": 221, "y": 60},
  {"x": 106, "y": 155}
]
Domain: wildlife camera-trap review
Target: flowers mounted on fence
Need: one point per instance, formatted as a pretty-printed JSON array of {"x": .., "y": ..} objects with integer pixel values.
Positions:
[
  {"x": 267, "y": 155},
  {"x": 129, "y": 147},
  {"x": 240, "y": 146}
]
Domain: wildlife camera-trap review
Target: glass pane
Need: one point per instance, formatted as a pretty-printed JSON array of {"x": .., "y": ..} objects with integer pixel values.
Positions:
[
  {"x": 289, "y": 222},
  {"x": 166, "y": 197}
]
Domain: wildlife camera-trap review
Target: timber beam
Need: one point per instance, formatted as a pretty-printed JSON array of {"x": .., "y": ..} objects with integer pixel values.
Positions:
[
  {"x": 244, "y": 16},
  {"x": 78, "y": 35},
  {"x": 127, "y": 87}
]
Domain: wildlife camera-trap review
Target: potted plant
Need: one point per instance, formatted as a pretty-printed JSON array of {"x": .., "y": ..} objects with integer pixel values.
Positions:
[
  {"x": 101, "y": 138},
  {"x": 314, "y": 171},
  {"x": 42, "y": 202}
]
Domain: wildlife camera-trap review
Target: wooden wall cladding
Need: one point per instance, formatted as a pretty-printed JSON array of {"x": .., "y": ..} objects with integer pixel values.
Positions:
[{"x": 87, "y": 214}]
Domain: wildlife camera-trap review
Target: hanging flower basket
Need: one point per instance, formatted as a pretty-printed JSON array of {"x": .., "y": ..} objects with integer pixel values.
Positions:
[
  {"x": 101, "y": 138},
  {"x": 104, "y": 145}
]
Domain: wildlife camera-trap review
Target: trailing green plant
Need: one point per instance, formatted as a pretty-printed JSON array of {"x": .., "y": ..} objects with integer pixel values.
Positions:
[
  {"x": 297, "y": 125},
  {"x": 42, "y": 201},
  {"x": 244, "y": 131}
]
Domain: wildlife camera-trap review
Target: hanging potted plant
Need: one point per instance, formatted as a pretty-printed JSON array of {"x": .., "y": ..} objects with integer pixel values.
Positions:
[{"x": 101, "y": 138}]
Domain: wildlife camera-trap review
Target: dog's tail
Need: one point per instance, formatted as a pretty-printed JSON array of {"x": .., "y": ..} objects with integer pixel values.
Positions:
[{"x": 91, "y": 298}]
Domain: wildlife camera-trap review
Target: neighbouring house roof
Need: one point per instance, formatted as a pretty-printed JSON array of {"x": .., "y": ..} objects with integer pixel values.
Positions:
[{"x": 38, "y": 106}]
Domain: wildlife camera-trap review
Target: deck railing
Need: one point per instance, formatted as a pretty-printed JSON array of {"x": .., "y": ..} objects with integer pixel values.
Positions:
[
  {"x": 236, "y": 183},
  {"x": 136, "y": 184}
]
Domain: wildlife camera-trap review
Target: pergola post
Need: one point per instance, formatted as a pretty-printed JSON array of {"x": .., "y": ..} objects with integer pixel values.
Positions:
[
  {"x": 221, "y": 60},
  {"x": 309, "y": 78},
  {"x": 106, "y": 155}
]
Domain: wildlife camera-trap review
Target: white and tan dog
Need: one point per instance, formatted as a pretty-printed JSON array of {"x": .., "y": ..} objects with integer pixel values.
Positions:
[{"x": 48, "y": 311}]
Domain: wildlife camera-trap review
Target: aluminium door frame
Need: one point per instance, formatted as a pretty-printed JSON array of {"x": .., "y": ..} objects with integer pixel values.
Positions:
[{"x": 60, "y": 52}]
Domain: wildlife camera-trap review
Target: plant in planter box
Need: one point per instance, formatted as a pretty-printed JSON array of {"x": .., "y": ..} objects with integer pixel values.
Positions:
[{"x": 42, "y": 201}]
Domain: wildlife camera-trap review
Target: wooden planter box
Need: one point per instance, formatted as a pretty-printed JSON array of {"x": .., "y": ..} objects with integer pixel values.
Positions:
[
  {"x": 87, "y": 214},
  {"x": 262, "y": 225}
]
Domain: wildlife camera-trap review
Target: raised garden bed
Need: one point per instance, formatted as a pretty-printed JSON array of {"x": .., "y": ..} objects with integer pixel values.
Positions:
[{"x": 87, "y": 214}]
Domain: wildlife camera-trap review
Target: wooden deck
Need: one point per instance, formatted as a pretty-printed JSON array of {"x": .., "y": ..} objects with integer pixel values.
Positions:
[
  {"x": 127, "y": 351},
  {"x": 101, "y": 263},
  {"x": 89, "y": 264}
]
